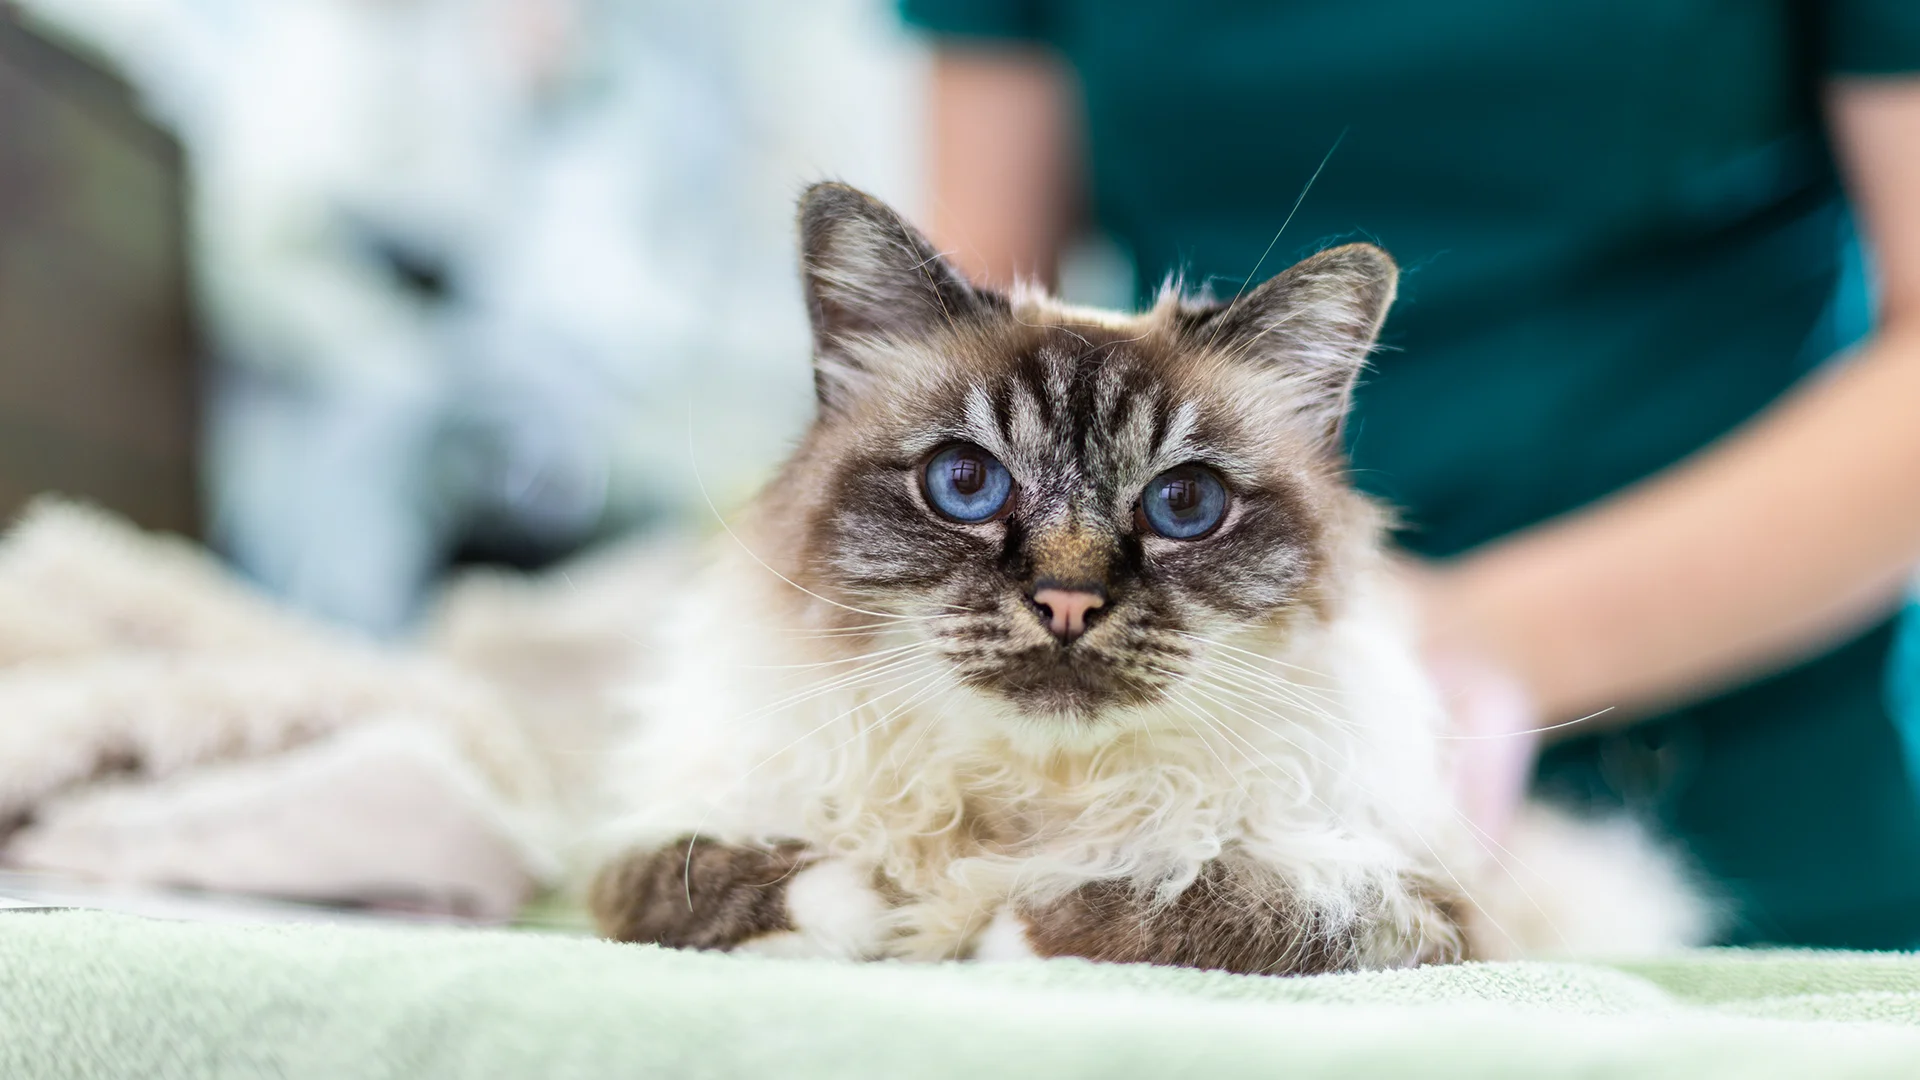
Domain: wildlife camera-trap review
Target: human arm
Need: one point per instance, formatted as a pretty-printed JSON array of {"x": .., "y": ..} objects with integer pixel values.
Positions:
[
  {"x": 1785, "y": 536},
  {"x": 1004, "y": 146}
]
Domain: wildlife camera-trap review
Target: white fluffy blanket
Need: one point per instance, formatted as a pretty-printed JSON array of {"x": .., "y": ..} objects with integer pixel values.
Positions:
[{"x": 161, "y": 724}]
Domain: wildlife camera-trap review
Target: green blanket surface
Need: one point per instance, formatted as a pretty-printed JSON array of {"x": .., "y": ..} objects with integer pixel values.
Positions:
[{"x": 86, "y": 994}]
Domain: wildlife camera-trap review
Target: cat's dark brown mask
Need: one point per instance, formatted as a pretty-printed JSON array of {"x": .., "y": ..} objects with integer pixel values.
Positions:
[{"x": 1077, "y": 502}]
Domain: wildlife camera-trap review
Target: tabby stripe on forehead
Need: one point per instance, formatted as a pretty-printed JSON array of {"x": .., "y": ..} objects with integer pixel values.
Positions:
[
  {"x": 1036, "y": 380},
  {"x": 1138, "y": 426},
  {"x": 1031, "y": 426},
  {"x": 1084, "y": 392},
  {"x": 1003, "y": 410},
  {"x": 1181, "y": 422},
  {"x": 989, "y": 413},
  {"x": 1110, "y": 398},
  {"x": 1162, "y": 407},
  {"x": 1062, "y": 369}
]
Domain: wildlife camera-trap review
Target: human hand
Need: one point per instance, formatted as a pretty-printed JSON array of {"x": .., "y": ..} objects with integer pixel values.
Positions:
[{"x": 1492, "y": 737}]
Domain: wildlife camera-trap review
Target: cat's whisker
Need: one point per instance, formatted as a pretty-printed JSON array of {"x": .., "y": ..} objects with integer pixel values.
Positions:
[
  {"x": 1258, "y": 682},
  {"x": 1297, "y": 203},
  {"x": 1279, "y": 686},
  {"x": 914, "y": 674},
  {"x": 860, "y": 627},
  {"x": 1152, "y": 741},
  {"x": 847, "y": 681},
  {"x": 1298, "y": 679},
  {"x": 1280, "y": 678},
  {"x": 799, "y": 633},
  {"x": 1523, "y": 732},
  {"x": 849, "y": 684},
  {"x": 928, "y": 683},
  {"x": 1267, "y": 697},
  {"x": 1201, "y": 689},
  {"x": 909, "y": 646},
  {"x": 1251, "y": 655}
]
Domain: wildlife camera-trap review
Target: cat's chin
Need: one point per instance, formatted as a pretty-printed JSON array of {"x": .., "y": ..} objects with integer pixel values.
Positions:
[{"x": 1064, "y": 689}]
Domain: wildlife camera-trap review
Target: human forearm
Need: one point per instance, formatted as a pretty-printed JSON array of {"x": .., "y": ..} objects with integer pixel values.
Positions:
[
  {"x": 1004, "y": 140},
  {"x": 1786, "y": 536}
]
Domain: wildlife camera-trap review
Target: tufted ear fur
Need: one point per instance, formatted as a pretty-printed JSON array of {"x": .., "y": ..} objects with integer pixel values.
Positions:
[
  {"x": 871, "y": 277},
  {"x": 1311, "y": 326}
]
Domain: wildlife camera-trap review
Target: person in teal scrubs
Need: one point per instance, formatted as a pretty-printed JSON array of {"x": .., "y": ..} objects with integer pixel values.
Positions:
[{"x": 1609, "y": 405}]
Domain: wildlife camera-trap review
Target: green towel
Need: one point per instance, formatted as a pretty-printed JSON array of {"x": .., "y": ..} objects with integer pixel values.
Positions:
[{"x": 86, "y": 994}]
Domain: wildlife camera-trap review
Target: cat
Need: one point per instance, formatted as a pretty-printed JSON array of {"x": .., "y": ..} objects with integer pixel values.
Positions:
[{"x": 1064, "y": 633}]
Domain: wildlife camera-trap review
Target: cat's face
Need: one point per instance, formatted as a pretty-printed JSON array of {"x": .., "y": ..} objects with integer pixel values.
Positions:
[{"x": 1070, "y": 504}]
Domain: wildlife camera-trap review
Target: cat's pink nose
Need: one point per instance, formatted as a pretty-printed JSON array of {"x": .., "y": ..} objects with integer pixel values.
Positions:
[{"x": 1066, "y": 610}]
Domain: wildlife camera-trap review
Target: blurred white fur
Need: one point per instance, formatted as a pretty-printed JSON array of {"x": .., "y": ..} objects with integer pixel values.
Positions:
[{"x": 161, "y": 724}]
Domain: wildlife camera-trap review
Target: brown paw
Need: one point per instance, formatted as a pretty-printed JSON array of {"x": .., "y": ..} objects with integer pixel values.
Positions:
[
  {"x": 696, "y": 894},
  {"x": 1237, "y": 916}
]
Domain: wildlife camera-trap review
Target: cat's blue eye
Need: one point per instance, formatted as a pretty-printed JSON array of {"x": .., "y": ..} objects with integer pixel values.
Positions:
[
  {"x": 967, "y": 484},
  {"x": 1184, "y": 503}
]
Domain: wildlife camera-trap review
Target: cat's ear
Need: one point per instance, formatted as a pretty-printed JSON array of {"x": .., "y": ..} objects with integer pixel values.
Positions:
[
  {"x": 1310, "y": 327},
  {"x": 870, "y": 278}
]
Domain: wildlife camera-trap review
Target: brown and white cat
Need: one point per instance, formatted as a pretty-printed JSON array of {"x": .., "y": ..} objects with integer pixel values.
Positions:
[{"x": 1064, "y": 633}]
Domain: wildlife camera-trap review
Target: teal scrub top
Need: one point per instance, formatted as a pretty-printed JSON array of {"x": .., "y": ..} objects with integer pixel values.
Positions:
[{"x": 1622, "y": 234}]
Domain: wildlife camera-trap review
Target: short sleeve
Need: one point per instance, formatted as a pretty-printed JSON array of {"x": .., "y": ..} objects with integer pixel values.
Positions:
[
  {"x": 1870, "y": 37},
  {"x": 1005, "y": 20}
]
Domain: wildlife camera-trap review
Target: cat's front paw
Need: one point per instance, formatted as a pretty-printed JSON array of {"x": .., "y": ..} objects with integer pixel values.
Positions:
[
  {"x": 696, "y": 894},
  {"x": 1238, "y": 916},
  {"x": 704, "y": 894}
]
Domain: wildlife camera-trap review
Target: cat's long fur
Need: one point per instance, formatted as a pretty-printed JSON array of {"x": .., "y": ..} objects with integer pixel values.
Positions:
[{"x": 868, "y": 745}]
